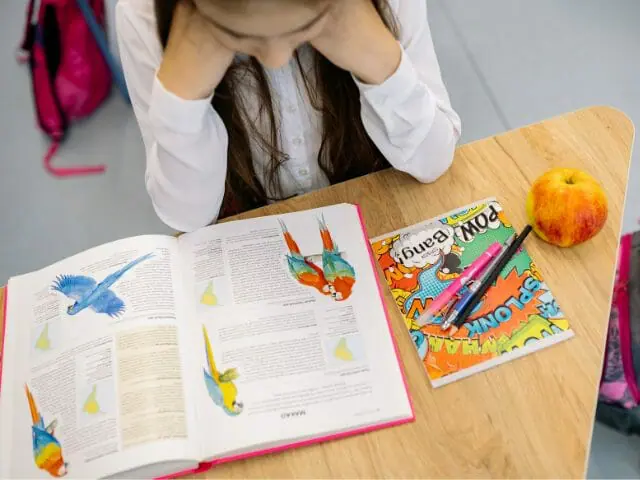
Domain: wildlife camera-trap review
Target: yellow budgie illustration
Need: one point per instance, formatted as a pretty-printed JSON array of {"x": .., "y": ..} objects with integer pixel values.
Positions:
[
  {"x": 342, "y": 351},
  {"x": 43, "y": 342},
  {"x": 91, "y": 405},
  {"x": 220, "y": 385},
  {"x": 209, "y": 297}
]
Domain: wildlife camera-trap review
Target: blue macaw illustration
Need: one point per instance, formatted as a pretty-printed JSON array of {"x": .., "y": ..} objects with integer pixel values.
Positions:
[
  {"x": 420, "y": 341},
  {"x": 430, "y": 286},
  {"x": 86, "y": 292},
  {"x": 221, "y": 388}
]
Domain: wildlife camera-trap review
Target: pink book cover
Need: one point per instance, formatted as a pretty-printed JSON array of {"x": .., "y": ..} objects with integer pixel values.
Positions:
[{"x": 203, "y": 467}]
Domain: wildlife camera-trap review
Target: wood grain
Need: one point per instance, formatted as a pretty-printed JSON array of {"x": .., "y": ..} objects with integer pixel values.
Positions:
[{"x": 532, "y": 417}]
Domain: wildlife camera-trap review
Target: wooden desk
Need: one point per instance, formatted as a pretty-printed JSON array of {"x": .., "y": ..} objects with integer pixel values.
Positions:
[{"x": 532, "y": 417}]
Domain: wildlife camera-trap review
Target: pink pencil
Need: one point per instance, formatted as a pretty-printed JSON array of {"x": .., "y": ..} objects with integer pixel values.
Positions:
[{"x": 469, "y": 273}]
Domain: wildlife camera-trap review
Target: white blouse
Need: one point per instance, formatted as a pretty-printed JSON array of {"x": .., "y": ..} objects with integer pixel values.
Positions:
[{"x": 409, "y": 118}]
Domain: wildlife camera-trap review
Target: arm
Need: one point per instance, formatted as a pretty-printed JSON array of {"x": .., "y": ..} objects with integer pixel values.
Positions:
[
  {"x": 409, "y": 116},
  {"x": 405, "y": 106},
  {"x": 185, "y": 140}
]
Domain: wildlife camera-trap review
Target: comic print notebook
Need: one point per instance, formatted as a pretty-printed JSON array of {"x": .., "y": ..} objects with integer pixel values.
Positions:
[
  {"x": 518, "y": 314},
  {"x": 155, "y": 355}
]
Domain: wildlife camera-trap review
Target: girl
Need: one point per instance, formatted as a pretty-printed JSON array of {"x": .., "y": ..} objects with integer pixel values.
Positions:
[{"x": 245, "y": 102}]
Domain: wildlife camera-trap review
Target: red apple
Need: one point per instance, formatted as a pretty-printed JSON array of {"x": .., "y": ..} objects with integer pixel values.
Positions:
[{"x": 566, "y": 206}]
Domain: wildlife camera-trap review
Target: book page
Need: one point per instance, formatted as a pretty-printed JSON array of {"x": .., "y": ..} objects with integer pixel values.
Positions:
[
  {"x": 94, "y": 367},
  {"x": 291, "y": 332}
]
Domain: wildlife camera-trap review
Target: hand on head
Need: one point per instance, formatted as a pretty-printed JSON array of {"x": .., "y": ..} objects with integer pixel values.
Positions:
[
  {"x": 194, "y": 61},
  {"x": 205, "y": 34},
  {"x": 269, "y": 30}
]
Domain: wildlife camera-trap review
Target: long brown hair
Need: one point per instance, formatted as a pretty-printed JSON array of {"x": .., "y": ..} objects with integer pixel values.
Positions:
[{"x": 346, "y": 150}]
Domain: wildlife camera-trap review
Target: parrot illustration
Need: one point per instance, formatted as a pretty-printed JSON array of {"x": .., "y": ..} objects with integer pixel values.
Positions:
[
  {"x": 220, "y": 386},
  {"x": 88, "y": 293},
  {"x": 304, "y": 271},
  {"x": 336, "y": 277},
  {"x": 47, "y": 451},
  {"x": 337, "y": 271}
]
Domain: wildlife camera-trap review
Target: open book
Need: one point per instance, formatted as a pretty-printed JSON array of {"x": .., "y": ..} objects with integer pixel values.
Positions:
[{"x": 156, "y": 355}]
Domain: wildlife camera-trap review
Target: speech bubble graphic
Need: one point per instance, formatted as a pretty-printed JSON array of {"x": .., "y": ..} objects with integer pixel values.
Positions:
[{"x": 424, "y": 247}]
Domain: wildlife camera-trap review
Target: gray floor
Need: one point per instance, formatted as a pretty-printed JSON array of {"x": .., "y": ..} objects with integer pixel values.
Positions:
[
  {"x": 507, "y": 63},
  {"x": 511, "y": 63}
]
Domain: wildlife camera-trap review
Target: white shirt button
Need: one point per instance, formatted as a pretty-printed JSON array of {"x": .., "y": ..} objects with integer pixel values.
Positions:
[
  {"x": 291, "y": 109},
  {"x": 297, "y": 141},
  {"x": 303, "y": 171}
]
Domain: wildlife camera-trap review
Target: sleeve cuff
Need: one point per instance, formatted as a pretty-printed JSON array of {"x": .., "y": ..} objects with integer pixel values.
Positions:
[
  {"x": 394, "y": 89},
  {"x": 175, "y": 113}
]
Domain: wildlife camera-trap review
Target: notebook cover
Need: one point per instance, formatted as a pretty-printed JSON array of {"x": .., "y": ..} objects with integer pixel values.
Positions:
[{"x": 517, "y": 316}]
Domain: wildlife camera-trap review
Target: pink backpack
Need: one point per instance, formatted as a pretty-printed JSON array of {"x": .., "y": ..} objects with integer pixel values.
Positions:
[
  {"x": 619, "y": 383},
  {"x": 69, "y": 75}
]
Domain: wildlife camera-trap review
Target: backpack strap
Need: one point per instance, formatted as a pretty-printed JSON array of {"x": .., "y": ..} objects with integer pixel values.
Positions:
[
  {"x": 101, "y": 39},
  {"x": 67, "y": 171},
  {"x": 28, "y": 36},
  {"x": 624, "y": 321}
]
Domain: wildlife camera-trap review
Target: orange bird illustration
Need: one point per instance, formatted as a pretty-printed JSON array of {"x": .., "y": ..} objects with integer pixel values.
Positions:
[
  {"x": 336, "y": 277},
  {"x": 305, "y": 272},
  {"x": 47, "y": 451}
]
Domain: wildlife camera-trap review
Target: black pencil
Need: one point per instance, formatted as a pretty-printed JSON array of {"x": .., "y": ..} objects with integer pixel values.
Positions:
[{"x": 492, "y": 277}]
